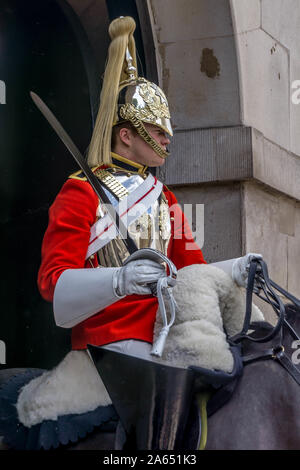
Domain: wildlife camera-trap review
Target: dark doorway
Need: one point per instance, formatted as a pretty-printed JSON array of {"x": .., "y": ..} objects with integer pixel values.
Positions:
[{"x": 44, "y": 49}]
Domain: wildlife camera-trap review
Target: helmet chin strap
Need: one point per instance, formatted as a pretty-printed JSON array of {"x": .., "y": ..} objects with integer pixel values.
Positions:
[{"x": 142, "y": 131}]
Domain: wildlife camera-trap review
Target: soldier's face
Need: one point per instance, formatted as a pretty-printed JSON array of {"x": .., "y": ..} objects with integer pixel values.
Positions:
[{"x": 143, "y": 153}]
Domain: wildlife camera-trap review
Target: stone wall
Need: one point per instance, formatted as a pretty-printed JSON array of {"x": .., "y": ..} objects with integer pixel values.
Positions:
[
  {"x": 271, "y": 226},
  {"x": 196, "y": 53},
  {"x": 276, "y": 238},
  {"x": 228, "y": 69},
  {"x": 267, "y": 36}
]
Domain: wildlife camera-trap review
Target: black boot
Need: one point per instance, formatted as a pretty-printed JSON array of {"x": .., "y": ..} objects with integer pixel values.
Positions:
[{"x": 152, "y": 400}]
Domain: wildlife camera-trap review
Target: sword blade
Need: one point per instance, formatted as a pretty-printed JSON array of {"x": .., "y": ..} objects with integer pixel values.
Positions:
[{"x": 93, "y": 180}]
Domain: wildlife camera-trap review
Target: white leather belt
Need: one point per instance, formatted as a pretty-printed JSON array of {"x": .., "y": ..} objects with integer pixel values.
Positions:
[{"x": 129, "y": 209}]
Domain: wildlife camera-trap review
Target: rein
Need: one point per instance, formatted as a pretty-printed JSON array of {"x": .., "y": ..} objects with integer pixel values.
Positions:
[{"x": 259, "y": 280}]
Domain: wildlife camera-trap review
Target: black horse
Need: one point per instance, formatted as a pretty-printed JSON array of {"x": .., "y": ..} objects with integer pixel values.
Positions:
[{"x": 263, "y": 411}]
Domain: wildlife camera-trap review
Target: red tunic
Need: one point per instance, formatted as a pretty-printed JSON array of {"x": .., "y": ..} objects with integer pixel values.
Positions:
[{"x": 65, "y": 246}]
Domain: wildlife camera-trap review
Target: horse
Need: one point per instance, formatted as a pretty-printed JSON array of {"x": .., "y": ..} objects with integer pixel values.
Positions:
[{"x": 262, "y": 412}]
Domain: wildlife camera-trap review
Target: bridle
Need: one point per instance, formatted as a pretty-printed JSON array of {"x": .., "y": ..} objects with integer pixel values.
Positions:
[{"x": 259, "y": 280}]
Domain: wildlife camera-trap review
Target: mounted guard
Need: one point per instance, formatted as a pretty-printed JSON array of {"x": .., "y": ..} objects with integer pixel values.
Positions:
[{"x": 110, "y": 258}]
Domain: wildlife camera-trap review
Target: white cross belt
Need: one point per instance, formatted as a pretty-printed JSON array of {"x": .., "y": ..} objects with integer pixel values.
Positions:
[{"x": 129, "y": 209}]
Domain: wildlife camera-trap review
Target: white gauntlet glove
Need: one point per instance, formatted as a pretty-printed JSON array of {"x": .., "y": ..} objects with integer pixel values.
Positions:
[
  {"x": 240, "y": 268},
  {"x": 135, "y": 277},
  {"x": 80, "y": 293}
]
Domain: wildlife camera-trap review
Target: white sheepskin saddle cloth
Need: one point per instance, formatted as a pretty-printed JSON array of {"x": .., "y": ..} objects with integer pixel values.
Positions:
[
  {"x": 210, "y": 305},
  {"x": 74, "y": 386},
  {"x": 208, "y": 302}
]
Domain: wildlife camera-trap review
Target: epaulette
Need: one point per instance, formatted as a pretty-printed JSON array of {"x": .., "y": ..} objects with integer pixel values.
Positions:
[
  {"x": 79, "y": 175},
  {"x": 109, "y": 181},
  {"x": 164, "y": 197}
]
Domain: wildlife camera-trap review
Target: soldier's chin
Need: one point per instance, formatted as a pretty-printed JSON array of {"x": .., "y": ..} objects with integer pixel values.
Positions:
[{"x": 159, "y": 162}]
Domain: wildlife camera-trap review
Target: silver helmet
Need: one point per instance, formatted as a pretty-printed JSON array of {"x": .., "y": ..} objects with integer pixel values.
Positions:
[{"x": 141, "y": 101}]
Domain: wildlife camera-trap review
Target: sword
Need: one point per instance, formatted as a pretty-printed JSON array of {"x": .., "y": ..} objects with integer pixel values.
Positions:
[
  {"x": 92, "y": 179},
  {"x": 120, "y": 226}
]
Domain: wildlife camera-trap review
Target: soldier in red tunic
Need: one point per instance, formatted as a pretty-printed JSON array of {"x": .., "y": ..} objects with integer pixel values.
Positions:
[
  {"x": 82, "y": 268},
  {"x": 107, "y": 300}
]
